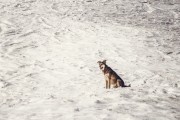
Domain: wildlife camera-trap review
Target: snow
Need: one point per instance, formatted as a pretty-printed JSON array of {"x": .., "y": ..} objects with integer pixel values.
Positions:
[{"x": 48, "y": 62}]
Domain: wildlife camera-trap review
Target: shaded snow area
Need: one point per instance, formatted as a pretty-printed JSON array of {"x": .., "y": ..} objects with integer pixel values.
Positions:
[{"x": 49, "y": 51}]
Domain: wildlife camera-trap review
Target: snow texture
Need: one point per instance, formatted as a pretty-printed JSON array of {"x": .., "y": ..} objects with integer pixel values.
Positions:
[{"x": 49, "y": 51}]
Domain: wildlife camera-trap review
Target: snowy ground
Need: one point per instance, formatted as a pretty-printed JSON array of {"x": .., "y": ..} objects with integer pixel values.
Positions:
[{"x": 49, "y": 51}]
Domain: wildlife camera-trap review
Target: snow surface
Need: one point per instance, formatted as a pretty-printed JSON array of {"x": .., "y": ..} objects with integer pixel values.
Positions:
[{"x": 49, "y": 51}]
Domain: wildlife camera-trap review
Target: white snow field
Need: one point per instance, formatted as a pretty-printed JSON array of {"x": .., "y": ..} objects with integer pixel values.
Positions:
[{"x": 49, "y": 51}]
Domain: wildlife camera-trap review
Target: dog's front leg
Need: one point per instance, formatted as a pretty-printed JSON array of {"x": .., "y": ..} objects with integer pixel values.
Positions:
[
  {"x": 106, "y": 84},
  {"x": 105, "y": 81},
  {"x": 109, "y": 83}
]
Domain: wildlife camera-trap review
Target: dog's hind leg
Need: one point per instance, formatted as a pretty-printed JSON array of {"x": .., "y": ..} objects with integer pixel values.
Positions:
[
  {"x": 118, "y": 83},
  {"x": 121, "y": 83}
]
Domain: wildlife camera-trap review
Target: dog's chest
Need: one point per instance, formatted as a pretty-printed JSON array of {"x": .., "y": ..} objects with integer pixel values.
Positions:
[{"x": 107, "y": 75}]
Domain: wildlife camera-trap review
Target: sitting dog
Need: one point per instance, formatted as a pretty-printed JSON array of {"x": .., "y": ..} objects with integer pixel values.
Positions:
[{"x": 111, "y": 77}]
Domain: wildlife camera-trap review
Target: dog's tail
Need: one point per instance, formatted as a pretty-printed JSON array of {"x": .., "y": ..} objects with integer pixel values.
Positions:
[{"x": 127, "y": 85}]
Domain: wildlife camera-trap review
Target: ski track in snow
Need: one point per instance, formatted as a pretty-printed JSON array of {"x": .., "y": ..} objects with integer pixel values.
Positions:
[{"x": 49, "y": 70}]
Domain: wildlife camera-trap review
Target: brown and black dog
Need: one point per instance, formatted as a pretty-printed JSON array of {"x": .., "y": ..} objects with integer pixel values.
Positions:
[{"x": 111, "y": 76}]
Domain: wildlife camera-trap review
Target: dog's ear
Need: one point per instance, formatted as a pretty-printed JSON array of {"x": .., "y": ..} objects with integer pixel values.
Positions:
[
  {"x": 99, "y": 62},
  {"x": 104, "y": 61}
]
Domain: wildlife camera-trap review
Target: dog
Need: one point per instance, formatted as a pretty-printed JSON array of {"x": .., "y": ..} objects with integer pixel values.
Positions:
[{"x": 111, "y": 76}]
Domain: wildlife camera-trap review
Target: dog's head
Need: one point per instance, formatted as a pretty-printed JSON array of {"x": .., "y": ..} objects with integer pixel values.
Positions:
[{"x": 102, "y": 64}]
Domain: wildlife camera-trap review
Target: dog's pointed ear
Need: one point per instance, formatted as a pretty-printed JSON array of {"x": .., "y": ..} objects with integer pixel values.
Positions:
[
  {"x": 99, "y": 62},
  {"x": 104, "y": 61}
]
